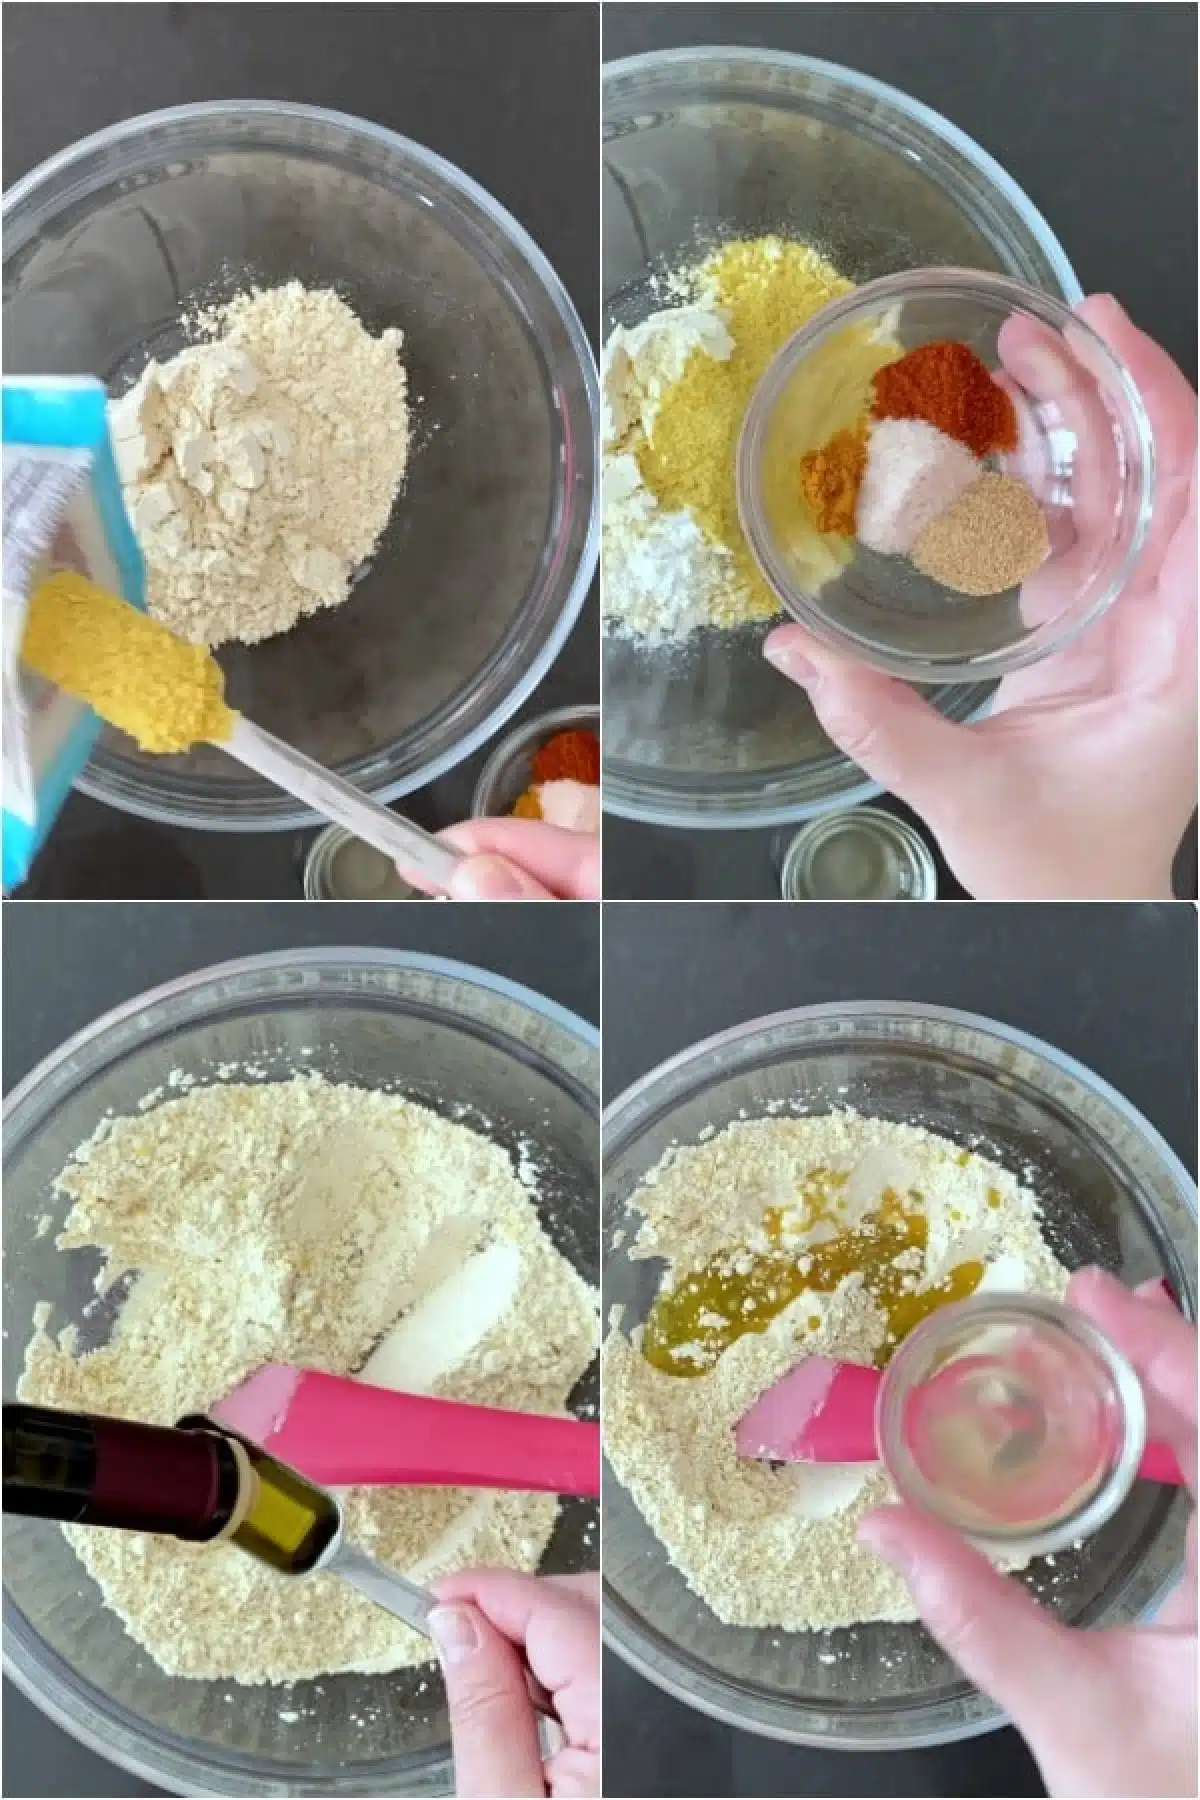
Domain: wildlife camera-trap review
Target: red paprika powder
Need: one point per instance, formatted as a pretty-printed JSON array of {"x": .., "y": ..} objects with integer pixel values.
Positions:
[
  {"x": 569, "y": 756},
  {"x": 950, "y": 387}
]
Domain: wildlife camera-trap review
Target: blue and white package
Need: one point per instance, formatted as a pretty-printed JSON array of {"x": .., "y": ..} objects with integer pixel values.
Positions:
[{"x": 63, "y": 509}]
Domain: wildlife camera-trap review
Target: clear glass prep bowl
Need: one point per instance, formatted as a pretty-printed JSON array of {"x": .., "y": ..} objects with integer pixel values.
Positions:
[
  {"x": 440, "y": 1031},
  {"x": 1085, "y": 451},
  {"x": 702, "y": 145},
  {"x": 1113, "y": 1193},
  {"x": 491, "y": 547},
  {"x": 508, "y": 771}
]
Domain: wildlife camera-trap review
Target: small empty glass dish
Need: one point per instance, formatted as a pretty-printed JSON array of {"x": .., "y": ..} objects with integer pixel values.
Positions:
[
  {"x": 862, "y": 853},
  {"x": 340, "y": 866},
  {"x": 1084, "y": 450},
  {"x": 1013, "y": 1420}
]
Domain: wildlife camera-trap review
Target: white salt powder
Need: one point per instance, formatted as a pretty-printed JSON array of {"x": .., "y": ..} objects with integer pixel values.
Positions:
[{"x": 914, "y": 474}]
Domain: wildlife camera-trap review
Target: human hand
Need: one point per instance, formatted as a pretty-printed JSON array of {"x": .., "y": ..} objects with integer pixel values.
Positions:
[
  {"x": 521, "y": 859},
  {"x": 1080, "y": 783},
  {"x": 1105, "y": 1712},
  {"x": 484, "y": 1620}
]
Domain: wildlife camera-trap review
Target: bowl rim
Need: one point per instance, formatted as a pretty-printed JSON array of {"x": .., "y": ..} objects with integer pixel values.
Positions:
[
  {"x": 329, "y": 956},
  {"x": 646, "y": 1663},
  {"x": 63, "y": 1711},
  {"x": 654, "y": 68},
  {"x": 662, "y": 63},
  {"x": 940, "y": 283},
  {"x": 111, "y": 137}
]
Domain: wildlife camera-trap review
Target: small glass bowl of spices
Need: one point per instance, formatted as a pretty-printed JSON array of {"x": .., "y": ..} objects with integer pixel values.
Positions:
[
  {"x": 973, "y": 457},
  {"x": 548, "y": 768}
]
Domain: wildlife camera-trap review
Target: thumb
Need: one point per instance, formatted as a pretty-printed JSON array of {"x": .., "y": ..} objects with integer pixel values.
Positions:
[
  {"x": 491, "y": 877},
  {"x": 492, "y": 1721},
  {"x": 880, "y": 723},
  {"x": 1001, "y": 1639}
]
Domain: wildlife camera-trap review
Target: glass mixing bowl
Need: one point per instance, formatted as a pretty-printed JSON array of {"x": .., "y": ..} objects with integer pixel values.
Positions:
[
  {"x": 492, "y": 544},
  {"x": 443, "y": 1033},
  {"x": 1084, "y": 450},
  {"x": 701, "y": 146},
  {"x": 1112, "y": 1192}
]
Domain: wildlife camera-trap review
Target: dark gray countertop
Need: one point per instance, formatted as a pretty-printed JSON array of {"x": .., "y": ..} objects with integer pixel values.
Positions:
[
  {"x": 66, "y": 965},
  {"x": 1092, "y": 109},
  {"x": 509, "y": 93},
  {"x": 1113, "y": 986}
]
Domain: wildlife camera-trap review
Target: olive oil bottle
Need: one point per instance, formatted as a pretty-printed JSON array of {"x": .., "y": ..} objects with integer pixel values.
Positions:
[{"x": 197, "y": 1482}]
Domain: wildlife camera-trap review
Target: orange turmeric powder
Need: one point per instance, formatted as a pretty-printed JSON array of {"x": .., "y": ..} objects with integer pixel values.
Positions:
[{"x": 831, "y": 477}]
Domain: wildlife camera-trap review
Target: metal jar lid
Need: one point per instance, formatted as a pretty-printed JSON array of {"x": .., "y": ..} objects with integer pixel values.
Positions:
[
  {"x": 341, "y": 867},
  {"x": 860, "y": 854}
]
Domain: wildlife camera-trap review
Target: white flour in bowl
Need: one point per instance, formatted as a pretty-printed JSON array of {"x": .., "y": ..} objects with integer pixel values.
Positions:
[
  {"x": 260, "y": 468},
  {"x": 663, "y": 576}
]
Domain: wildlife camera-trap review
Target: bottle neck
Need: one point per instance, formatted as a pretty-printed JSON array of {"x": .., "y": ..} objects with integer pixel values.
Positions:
[{"x": 287, "y": 1520}]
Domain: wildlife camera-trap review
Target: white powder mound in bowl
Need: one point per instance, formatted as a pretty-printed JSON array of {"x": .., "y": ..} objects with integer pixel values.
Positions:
[
  {"x": 914, "y": 474},
  {"x": 571, "y": 805},
  {"x": 260, "y": 467}
]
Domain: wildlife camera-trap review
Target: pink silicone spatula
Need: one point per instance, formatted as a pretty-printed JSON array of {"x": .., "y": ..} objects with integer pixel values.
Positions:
[
  {"x": 344, "y": 1433},
  {"x": 824, "y": 1412}
]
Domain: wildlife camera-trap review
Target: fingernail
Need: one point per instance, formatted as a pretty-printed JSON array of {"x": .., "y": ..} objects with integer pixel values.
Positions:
[
  {"x": 1109, "y": 304},
  {"x": 1045, "y": 374},
  {"x": 875, "y": 1535},
  {"x": 792, "y": 663},
  {"x": 487, "y": 878},
  {"x": 455, "y": 1633}
]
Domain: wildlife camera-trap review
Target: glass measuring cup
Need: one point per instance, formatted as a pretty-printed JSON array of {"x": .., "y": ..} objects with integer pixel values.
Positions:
[{"x": 1014, "y": 1420}]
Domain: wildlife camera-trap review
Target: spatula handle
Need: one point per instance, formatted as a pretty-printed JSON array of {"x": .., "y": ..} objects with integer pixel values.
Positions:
[
  {"x": 335, "y": 798},
  {"x": 350, "y": 1433},
  {"x": 1160, "y": 1464}
]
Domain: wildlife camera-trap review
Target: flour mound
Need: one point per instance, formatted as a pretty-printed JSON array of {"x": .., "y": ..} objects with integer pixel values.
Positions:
[
  {"x": 662, "y": 577},
  {"x": 297, "y": 1222},
  {"x": 260, "y": 468}
]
